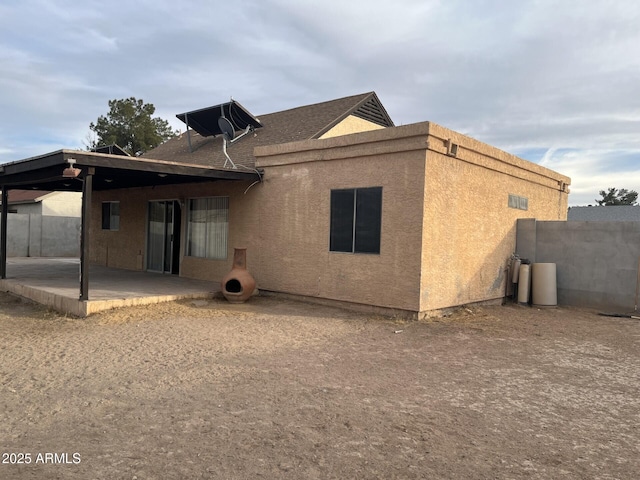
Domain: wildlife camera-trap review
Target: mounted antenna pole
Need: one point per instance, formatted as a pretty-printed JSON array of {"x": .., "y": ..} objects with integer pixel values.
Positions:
[
  {"x": 186, "y": 120},
  {"x": 228, "y": 158},
  {"x": 225, "y": 139},
  {"x": 229, "y": 136}
]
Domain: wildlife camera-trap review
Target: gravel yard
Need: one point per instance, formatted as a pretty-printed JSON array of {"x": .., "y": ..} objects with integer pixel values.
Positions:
[{"x": 280, "y": 389}]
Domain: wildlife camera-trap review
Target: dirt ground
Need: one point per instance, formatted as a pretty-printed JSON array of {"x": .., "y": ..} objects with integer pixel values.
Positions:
[{"x": 279, "y": 389}]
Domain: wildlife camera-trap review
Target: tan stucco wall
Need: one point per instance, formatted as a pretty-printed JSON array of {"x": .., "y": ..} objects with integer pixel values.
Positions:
[
  {"x": 62, "y": 204},
  {"x": 121, "y": 248},
  {"x": 284, "y": 222},
  {"x": 469, "y": 230},
  {"x": 126, "y": 247},
  {"x": 447, "y": 231},
  {"x": 294, "y": 229},
  {"x": 349, "y": 125},
  {"x": 54, "y": 204}
]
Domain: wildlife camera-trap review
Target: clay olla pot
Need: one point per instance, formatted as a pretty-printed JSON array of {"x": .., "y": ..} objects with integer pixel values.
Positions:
[{"x": 238, "y": 285}]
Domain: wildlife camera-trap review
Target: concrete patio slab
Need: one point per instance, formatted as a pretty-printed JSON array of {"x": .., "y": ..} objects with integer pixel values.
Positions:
[{"x": 55, "y": 282}]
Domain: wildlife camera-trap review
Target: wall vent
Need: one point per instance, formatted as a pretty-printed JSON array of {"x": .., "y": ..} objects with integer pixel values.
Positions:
[
  {"x": 452, "y": 148},
  {"x": 516, "y": 201}
]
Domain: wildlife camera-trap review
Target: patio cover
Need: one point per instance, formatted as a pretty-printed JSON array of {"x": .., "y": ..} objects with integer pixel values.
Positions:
[{"x": 97, "y": 171}]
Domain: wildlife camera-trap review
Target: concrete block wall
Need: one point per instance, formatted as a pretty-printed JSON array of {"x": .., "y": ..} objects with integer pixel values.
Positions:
[
  {"x": 597, "y": 262},
  {"x": 18, "y": 235},
  {"x": 60, "y": 236},
  {"x": 31, "y": 235}
]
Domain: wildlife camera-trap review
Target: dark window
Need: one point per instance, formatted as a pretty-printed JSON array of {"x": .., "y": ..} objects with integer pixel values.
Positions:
[
  {"x": 355, "y": 220},
  {"x": 110, "y": 215},
  {"x": 342, "y": 215}
]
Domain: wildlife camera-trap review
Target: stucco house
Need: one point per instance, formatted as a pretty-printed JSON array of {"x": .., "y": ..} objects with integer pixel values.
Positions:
[
  {"x": 332, "y": 201},
  {"x": 47, "y": 203}
]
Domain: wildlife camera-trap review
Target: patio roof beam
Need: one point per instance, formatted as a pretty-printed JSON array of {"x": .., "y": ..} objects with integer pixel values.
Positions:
[
  {"x": 144, "y": 165},
  {"x": 45, "y": 172},
  {"x": 34, "y": 177}
]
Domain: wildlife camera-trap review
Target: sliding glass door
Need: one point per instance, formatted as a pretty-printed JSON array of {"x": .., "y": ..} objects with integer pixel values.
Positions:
[{"x": 163, "y": 236}]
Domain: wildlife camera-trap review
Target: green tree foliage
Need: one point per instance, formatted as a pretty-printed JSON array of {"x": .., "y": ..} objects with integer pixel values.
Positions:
[
  {"x": 618, "y": 197},
  {"x": 130, "y": 125}
]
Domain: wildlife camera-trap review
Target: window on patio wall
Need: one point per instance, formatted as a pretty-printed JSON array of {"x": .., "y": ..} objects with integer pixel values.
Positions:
[
  {"x": 110, "y": 215},
  {"x": 208, "y": 228}
]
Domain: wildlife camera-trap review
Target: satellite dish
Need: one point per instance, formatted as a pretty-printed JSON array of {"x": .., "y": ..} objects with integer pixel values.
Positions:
[{"x": 227, "y": 128}]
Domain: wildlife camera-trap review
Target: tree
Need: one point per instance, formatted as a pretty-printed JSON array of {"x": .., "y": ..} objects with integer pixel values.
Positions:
[
  {"x": 129, "y": 125},
  {"x": 618, "y": 197}
]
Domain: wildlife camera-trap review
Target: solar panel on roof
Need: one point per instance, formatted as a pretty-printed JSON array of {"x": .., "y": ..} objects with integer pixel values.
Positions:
[
  {"x": 112, "y": 149},
  {"x": 205, "y": 120}
]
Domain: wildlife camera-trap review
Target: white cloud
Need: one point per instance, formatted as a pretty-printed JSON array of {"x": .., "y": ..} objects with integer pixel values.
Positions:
[
  {"x": 594, "y": 170},
  {"x": 543, "y": 75}
]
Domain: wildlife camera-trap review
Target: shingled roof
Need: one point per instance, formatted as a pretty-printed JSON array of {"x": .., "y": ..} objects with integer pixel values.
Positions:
[
  {"x": 301, "y": 123},
  {"x": 26, "y": 196}
]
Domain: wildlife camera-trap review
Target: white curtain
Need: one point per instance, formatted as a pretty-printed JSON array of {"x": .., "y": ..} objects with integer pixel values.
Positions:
[
  {"x": 208, "y": 228},
  {"x": 114, "y": 216}
]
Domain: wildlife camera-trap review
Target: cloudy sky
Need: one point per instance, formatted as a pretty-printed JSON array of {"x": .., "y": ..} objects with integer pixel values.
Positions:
[{"x": 556, "y": 82}]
